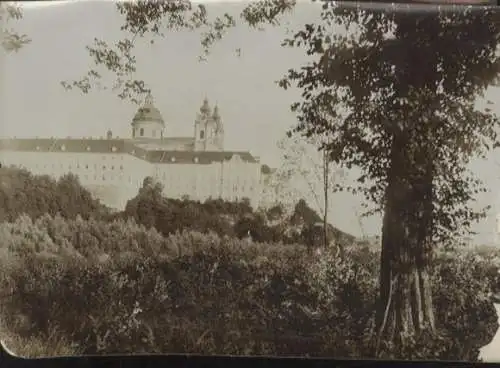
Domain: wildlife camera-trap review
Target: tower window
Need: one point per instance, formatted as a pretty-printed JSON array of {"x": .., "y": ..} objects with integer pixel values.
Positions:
[
  {"x": 154, "y": 133},
  {"x": 141, "y": 132},
  {"x": 133, "y": 133},
  {"x": 202, "y": 134}
]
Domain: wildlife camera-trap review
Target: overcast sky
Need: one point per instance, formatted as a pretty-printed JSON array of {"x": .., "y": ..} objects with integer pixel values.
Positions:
[{"x": 254, "y": 109}]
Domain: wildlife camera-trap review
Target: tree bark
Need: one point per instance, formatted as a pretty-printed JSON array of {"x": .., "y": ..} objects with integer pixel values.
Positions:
[
  {"x": 325, "y": 189},
  {"x": 405, "y": 297}
]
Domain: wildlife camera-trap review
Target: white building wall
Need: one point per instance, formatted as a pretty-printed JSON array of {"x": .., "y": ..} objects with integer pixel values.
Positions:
[
  {"x": 116, "y": 178},
  {"x": 120, "y": 174},
  {"x": 150, "y": 129}
]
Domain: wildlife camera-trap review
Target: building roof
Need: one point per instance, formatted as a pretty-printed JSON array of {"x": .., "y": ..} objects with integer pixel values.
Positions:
[
  {"x": 205, "y": 157},
  {"x": 166, "y": 144},
  {"x": 124, "y": 146}
]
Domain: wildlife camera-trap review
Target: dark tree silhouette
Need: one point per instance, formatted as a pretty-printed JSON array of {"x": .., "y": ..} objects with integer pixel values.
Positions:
[{"x": 409, "y": 81}]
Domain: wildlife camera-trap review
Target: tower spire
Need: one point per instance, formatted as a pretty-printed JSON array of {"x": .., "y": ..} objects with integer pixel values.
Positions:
[
  {"x": 205, "y": 108},
  {"x": 215, "y": 114}
]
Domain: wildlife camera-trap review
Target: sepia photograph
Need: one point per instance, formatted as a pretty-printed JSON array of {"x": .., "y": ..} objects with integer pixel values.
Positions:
[{"x": 254, "y": 178}]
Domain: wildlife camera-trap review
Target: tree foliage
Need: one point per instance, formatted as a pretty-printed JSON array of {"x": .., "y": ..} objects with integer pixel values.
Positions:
[
  {"x": 33, "y": 195},
  {"x": 396, "y": 94},
  {"x": 400, "y": 89},
  {"x": 301, "y": 173},
  {"x": 417, "y": 73},
  {"x": 158, "y": 294},
  {"x": 234, "y": 219},
  {"x": 147, "y": 21},
  {"x": 11, "y": 39}
]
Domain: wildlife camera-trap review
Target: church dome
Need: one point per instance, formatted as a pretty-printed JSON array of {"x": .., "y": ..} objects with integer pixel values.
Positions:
[{"x": 148, "y": 113}]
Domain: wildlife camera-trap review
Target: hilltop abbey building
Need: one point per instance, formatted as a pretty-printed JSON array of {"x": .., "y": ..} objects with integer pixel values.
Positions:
[{"x": 114, "y": 168}]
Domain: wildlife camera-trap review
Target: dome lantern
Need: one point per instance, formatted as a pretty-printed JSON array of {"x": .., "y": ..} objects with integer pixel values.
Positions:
[
  {"x": 205, "y": 108},
  {"x": 149, "y": 101}
]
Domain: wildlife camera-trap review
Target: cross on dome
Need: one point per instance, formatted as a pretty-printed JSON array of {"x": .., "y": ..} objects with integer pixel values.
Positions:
[{"x": 149, "y": 99}]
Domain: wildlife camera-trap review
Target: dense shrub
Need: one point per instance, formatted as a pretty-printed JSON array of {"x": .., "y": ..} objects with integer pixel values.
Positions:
[
  {"x": 34, "y": 195},
  {"x": 202, "y": 293},
  {"x": 55, "y": 236},
  {"x": 168, "y": 216}
]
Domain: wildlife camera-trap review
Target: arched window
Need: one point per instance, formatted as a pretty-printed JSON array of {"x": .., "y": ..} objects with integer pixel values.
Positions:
[
  {"x": 154, "y": 133},
  {"x": 141, "y": 132},
  {"x": 133, "y": 133},
  {"x": 202, "y": 134}
]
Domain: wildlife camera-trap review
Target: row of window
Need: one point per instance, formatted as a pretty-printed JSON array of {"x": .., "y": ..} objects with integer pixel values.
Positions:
[
  {"x": 113, "y": 167},
  {"x": 214, "y": 188},
  {"x": 141, "y": 133},
  {"x": 236, "y": 187},
  {"x": 239, "y": 181},
  {"x": 114, "y": 149},
  {"x": 78, "y": 166},
  {"x": 104, "y": 178},
  {"x": 63, "y": 148}
]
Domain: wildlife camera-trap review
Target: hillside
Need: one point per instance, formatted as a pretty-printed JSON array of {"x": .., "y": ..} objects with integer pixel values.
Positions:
[
  {"x": 24, "y": 193},
  {"x": 234, "y": 219}
]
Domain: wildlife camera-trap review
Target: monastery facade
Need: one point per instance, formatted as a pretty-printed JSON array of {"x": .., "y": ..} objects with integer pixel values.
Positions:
[{"x": 114, "y": 168}]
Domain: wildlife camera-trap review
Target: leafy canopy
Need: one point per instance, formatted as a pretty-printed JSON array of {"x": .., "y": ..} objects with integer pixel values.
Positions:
[
  {"x": 11, "y": 39},
  {"x": 149, "y": 20},
  {"x": 402, "y": 73}
]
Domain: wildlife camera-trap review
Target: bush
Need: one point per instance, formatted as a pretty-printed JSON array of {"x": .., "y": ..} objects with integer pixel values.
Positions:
[
  {"x": 151, "y": 209},
  {"x": 201, "y": 293},
  {"x": 35, "y": 195}
]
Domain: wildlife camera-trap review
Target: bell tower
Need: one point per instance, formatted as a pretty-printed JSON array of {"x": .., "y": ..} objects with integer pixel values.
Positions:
[
  {"x": 208, "y": 129},
  {"x": 217, "y": 139}
]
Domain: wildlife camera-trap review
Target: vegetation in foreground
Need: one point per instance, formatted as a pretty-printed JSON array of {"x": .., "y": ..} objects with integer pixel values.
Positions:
[
  {"x": 392, "y": 106},
  {"x": 110, "y": 284}
]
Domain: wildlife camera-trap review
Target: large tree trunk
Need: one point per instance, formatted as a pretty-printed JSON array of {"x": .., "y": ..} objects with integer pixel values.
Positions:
[
  {"x": 405, "y": 304},
  {"x": 325, "y": 192}
]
